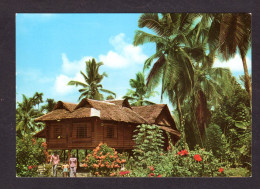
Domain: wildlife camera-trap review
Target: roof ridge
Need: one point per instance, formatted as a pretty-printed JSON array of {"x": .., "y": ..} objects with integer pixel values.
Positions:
[
  {"x": 101, "y": 101},
  {"x": 149, "y": 105}
]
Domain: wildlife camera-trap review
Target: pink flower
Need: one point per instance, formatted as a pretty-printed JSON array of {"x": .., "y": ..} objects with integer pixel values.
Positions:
[{"x": 30, "y": 167}]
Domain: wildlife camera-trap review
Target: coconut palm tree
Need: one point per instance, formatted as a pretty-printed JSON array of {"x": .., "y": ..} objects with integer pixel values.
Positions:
[
  {"x": 37, "y": 99},
  {"x": 49, "y": 106},
  {"x": 231, "y": 32},
  {"x": 25, "y": 115},
  {"x": 173, "y": 66},
  {"x": 138, "y": 96},
  {"x": 92, "y": 87}
]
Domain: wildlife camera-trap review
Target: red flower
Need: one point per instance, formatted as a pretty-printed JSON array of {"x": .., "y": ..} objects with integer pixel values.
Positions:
[
  {"x": 151, "y": 174},
  {"x": 152, "y": 168},
  {"x": 159, "y": 175},
  {"x": 197, "y": 157},
  {"x": 183, "y": 153},
  {"x": 30, "y": 167},
  {"x": 221, "y": 170},
  {"x": 122, "y": 173}
]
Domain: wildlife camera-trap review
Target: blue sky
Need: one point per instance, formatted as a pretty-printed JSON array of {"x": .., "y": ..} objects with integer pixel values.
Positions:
[{"x": 51, "y": 49}]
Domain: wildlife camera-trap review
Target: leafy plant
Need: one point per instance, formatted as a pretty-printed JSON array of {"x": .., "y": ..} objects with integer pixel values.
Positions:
[
  {"x": 29, "y": 154},
  {"x": 149, "y": 146}
]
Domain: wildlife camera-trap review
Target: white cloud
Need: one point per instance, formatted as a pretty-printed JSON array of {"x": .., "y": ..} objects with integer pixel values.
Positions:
[
  {"x": 235, "y": 64},
  {"x": 62, "y": 80},
  {"x": 123, "y": 55},
  {"x": 71, "y": 68}
]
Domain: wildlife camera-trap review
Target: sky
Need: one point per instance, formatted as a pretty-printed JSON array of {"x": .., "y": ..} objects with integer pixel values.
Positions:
[{"x": 51, "y": 50}]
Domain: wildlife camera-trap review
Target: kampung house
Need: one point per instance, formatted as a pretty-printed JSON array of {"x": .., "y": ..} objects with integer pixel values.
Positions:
[{"x": 85, "y": 125}]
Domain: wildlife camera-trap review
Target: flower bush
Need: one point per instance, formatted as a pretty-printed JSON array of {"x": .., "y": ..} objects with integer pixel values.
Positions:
[
  {"x": 29, "y": 154},
  {"x": 104, "y": 161},
  {"x": 177, "y": 161}
]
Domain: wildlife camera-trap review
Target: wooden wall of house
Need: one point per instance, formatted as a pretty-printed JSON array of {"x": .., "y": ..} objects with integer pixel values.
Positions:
[{"x": 63, "y": 135}]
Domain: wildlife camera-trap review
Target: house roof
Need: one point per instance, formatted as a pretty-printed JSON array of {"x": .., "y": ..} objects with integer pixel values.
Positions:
[
  {"x": 150, "y": 112},
  {"x": 65, "y": 105},
  {"x": 123, "y": 102},
  {"x": 112, "y": 110},
  {"x": 108, "y": 111}
]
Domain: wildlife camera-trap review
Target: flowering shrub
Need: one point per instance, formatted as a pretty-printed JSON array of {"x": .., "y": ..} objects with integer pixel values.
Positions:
[
  {"x": 182, "y": 163},
  {"x": 104, "y": 161},
  {"x": 29, "y": 154}
]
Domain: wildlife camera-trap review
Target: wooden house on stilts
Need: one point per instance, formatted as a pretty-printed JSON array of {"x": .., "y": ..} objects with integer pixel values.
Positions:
[{"x": 84, "y": 125}]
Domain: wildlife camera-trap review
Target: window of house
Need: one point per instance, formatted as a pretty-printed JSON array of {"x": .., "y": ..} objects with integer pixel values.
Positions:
[
  {"x": 110, "y": 132},
  {"x": 82, "y": 131}
]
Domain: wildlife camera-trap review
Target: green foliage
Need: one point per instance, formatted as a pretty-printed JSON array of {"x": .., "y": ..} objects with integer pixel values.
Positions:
[
  {"x": 149, "y": 146},
  {"x": 238, "y": 172},
  {"x": 215, "y": 141},
  {"x": 92, "y": 87},
  {"x": 25, "y": 115},
  {"x": 234, "y": 118},
  {"x": 104, "y": 161},
  {"x": 175, "y": 164},
  {"x": 29, "y": 154},
  {"x": 141, "y": 92},
  {"x": 48, "y": 107}
]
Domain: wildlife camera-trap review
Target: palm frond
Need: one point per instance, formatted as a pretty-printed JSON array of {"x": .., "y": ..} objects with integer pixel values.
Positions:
[
  {"x": 142, "y": 37},
  {"x": 77, "y": 83}
]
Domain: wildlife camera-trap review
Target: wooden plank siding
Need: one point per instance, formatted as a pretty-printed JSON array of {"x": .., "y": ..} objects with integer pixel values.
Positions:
[{"x": 96, "y": 131}]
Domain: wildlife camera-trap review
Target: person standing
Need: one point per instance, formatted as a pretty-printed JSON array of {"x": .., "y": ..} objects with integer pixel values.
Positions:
[
  {"x": 73, "y": 165},
  {"x": 55, "y": 159}
]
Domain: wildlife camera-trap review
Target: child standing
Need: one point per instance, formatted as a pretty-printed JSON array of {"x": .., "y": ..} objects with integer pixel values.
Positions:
[{"x": 65, "y": 168}]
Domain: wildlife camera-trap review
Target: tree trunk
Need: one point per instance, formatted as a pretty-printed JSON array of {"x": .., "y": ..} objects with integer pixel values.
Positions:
[
  {"x": 247, "y": 79},
  {"x": 180, "y": 116}
]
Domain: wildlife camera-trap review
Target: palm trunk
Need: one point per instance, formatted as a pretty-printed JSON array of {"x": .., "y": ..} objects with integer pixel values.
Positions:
[
  {"x": 180, "y": 116},
  {"x": 247, "y": 79}
]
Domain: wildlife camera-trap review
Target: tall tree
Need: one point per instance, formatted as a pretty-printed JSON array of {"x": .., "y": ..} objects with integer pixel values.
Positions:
[
  {"x": 92, "y": 87},
  {"x": 173, "y": 66},
  {"x": 231, "y": 32},
  {"x": 48, "y": 107},
  {"x": 141, "y": 92},
  {"x": 25, "y": 115},
  {"x": 37, "y": 99}
]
